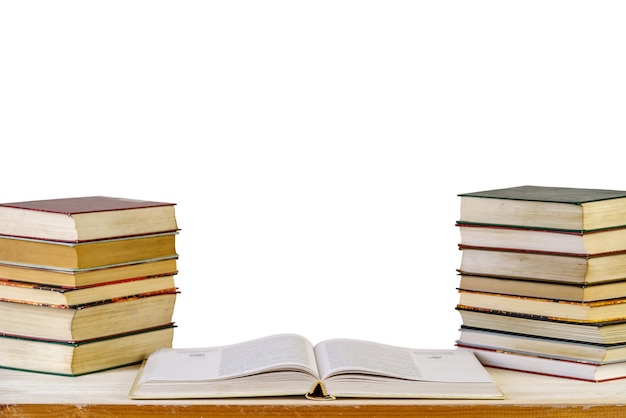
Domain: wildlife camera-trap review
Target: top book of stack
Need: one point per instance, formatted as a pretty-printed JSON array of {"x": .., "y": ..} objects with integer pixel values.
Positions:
[
  {"x": 562, "y": 208},
  {"x": 85, "y": 219}
]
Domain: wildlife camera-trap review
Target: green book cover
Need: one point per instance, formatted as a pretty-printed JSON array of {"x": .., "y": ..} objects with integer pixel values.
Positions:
[{"x": 575, "y": 196}]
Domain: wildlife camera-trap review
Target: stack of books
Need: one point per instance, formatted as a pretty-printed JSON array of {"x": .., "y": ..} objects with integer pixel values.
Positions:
[
  {"x": 543, "y": 280},
  {"x": 86, "y": 284}
]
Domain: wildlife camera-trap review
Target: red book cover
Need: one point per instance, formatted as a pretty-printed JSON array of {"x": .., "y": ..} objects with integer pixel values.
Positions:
[
  {"x": 78, "y": 219},
  {"x": 88, "y": 204}
]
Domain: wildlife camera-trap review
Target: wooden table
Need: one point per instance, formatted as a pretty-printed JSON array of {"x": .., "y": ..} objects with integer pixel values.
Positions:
[{"x": 105, "y": 394}]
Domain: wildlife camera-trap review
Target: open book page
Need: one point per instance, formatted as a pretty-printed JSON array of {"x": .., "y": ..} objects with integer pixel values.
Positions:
[
  {"x": 278, "y": 352},
  {"x": 361, "y": 368},
  {"x": 278, "y": 365}
]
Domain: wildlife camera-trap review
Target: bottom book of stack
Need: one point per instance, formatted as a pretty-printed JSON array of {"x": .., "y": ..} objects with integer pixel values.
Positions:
[
  {"x": 74, "y": 331},
  {"x": 557, "y": 329},
  {"x": 551, "y": 366},
  {"x": 81, "y": 357},
  {"x": 594, "y": 362}
]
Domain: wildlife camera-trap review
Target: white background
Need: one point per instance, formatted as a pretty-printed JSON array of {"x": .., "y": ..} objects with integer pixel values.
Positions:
[{"x": 315, "y": 150}]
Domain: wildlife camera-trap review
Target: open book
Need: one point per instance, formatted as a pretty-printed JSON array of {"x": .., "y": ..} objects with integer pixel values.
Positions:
[{"x": 288, "y": 364}]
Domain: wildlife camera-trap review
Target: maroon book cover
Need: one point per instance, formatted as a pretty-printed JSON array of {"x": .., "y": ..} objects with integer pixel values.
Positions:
[{"x": 74, "y": 205}]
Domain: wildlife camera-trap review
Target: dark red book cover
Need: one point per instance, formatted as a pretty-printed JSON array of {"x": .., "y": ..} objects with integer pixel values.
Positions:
[{"x": 88, "y": 204}]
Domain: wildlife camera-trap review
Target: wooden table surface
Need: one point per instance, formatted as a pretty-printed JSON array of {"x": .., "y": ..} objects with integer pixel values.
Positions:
[{"x": 25, "y": 394}]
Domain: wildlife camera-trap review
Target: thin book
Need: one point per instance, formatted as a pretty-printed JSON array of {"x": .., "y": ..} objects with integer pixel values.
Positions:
[
  {"x": 77, "y": 278},
  {"x": 90, "y": 254},
  {"x": 608, "y": 332},
  {"x": 544, "y": 289},
  {"x": 603, "y": 241},
  {"x": 34, "y": 293},
  {"x": 542, "y": 346},
  {"x": 524, "y": 362},
  {"x": 596, "y": 311}
]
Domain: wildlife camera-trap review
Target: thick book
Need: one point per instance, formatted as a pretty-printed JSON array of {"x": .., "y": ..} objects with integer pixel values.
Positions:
[
  {"x": 610, "y": 332},
  {"x": 35, "y": 293},
  {"x": 542, "y": 346},
  {"x": 522, "y": 362},
  {"x": 574, "y": 209},
  {"x": 79, "y": 358},
  {"x": 86, "y": 322},
  {"x": 87, "y": 218},
  {"x": 84, "y": 255},
  {"x": 288, "y": 364},
  {"x": 542, "y": 289},
  {"x": 77, "y": 278},
  {"x": 556, "y": 267},
  {"x": 597, "y": 311},
  {"x": 602, "y": 241}
]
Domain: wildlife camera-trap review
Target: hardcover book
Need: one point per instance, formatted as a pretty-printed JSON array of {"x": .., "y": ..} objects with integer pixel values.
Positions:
[
  {"x": 609, "y": 332},
  {"x": 37, "y": 294},
  {"x": 78, "y": 219},
  {"x": 597, "y": 311},
  {"x": 85, "y": 255},
  {"x": 529, "y": 363},
  {"x": 288, "y": 364},
  {"x": 545, "y": 290},
  {"x": 555, "y": 267},
  {"x": 600, "y": 241},
  {"x": 78, "y": 358},
  {"x": 565, "y": 208},
  {"x": 542, "y": 346},
  {"x": 86, "y": 322},
  {"x": 91, "y": 276}
]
